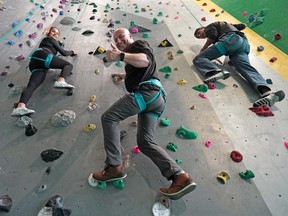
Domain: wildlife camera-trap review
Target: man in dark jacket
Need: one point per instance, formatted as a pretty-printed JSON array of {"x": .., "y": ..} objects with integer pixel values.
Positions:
[{"x": 227, "y": 39}]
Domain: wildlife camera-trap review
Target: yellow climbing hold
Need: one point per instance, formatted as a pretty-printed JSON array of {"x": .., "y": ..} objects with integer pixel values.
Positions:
[
  {"x": 89, "y": 127},
  {"x": 92, "y": 98},
  {"x": 182, "y": 82}
]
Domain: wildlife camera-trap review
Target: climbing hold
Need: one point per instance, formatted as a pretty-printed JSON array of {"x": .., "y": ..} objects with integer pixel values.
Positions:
[
  {"x": 273, "y": 59},
  {"x": 50, "y": 155},
  {"x": 269, "y": 81},
  {"x": 105, "y": 20},
  {"x": 171, "y": 146},
  {"x": 166, "y": 69},
  {"x": 180, "y": 51},
  {"x": 204, "y": 4},
  {"x": 145, "y": 35},
  {"x": 123, "y": 133},
  {"x": 97, "y": 71},
  {"x": 42, "y": 188},
  {"x": 212, "y": 10},
  {"x": 165, "y": 122},
  {"x": 48, "y": 170},
  {"x": 203, "y": 19},
  {"x": 202, "y": 95},
  {"x": 55, "y": 207},
  {"x": 155, "y": 21},
  {"x": 87, "y": 33},
  {"x": 178, "y": 161},
  {"x": 30, "y": 130},
  {"x": 5, "y": 203},
  {"x": 18, "y": 33},
  {"x": 211, "y": 85},
  {"x": 89, "y": 127},
  {"x": 260, "y": 48},
  {"x": 244, "y": 13},
  {"x": 223, "y": 177},
  {"x": 23, "y": 121},
  {"x": 263, "y": 110},
  {"x": 160, "y": 14},
  {"x": 236, "y": 156},
  {"x": 99, "y": 50},
  {"x": 193, "y": 107},
  {"x": 92, "y": 106},
  {"x": 201, "y": 88},
  {"x": 134, "y": 123},
  {"x": 63, "y": 118},
  {"x": 208, "y": 143},
  {"x": 140, "y": 28},
  {"x": 165, "y": 43},
  {"x": 33, "y": 35},
  {"x": 111, "y": 25},
  {"x": 134, "y": 30},
  {"x": 92, "y": 17},
  {"x": 182, "y": 82},
  {"x": 286, "y": 144},
  {"x": 277, "y": 36},
  {"x": 119, "y": 63},
  {"x": 136, "y": 149},
  {"x": 67, "y": 21},
  {"x": 167, "y": 75},
  {"x": 30, "y": 43},
  {"x": 92, "y": 98},
  {"x": 248, "y": 174},
  {"x": 184, "y": 132}
]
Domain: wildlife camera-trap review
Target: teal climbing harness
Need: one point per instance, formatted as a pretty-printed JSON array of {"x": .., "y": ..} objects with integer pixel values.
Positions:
[
  {"x": 47, "y": 60},
  {"x": 142, "y": 104}
]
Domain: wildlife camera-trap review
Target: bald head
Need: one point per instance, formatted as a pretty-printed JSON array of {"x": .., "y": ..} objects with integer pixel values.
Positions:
[{"x": 123, "y": 39}]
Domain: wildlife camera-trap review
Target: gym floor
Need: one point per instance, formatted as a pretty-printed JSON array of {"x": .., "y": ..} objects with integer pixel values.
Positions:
[{"x": 223, "y": 118}]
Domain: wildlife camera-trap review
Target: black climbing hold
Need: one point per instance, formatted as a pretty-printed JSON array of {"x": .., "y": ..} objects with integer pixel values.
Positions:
[
  {"x": 87, "y": 33},
  {"x": 122, "y": 135},
  {"x": 92, "y": 17},
  {"x": 70, "y": 92},
  {"x": 10, "y": 85},
  {"x": 50, "y": 155},
  {"x": 48, "y": 170},
  {"x": 111, "y": 25},
  {"x": 30, "y": 130},
  {"x": 5, "y": 203},
  {"x": 55, "y": 205}
]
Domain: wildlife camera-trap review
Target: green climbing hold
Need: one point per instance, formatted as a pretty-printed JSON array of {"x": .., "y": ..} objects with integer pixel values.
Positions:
[
  {"x": 155, "y": 21},
  {"x": 186, "y": 133},
  {"x": 180, "y": 52},
  {"x": 119, "y": 63},
  {"x": 165, "y": 122},
  {"x": 166, "y": 69},
  {"x": 125, "y": 14},
  {"x": 119, "y": 184},
  {"x": 146, "y": 35},
  {"x": 136, "y": 11},
  {"x": 178, "y": 161},
  {"x": 132, "y": 23},
  {"x": 201, "y": 88},
  {"x": 247, "y": 175},
  {"x": 101, "y": 185},
  {"x": 167, "y": 75},
  {"x": 118, "y": 22},
  {"x": 106, "y": 11},
  {"x": 171, "y": 146},
  {"x": 160, "y": 14}
]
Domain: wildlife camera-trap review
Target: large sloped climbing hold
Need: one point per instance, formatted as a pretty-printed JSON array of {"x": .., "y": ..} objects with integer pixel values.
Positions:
[
  {"x": 248, "y": 174},
  {"x": 201, "y": 88},
  {"x": 236, "y": 156},
  {"x": 223, "y": 177},
  {"x": 49, "y": 155},
  {"x": 5, "y": 203},
  {"x": 184, "y": 132},
  {"x": 23, "y": 121},
  {"x": 165, "y": 43},
  {"x": 67, "y": 21},
  {"x": 63, "y": 118},
  {"x": 87, "y": 33},
  {"x": 55, "y": 207}
]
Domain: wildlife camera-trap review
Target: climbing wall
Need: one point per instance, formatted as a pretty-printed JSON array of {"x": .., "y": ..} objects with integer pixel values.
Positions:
[{"x": 222, "y": 118}]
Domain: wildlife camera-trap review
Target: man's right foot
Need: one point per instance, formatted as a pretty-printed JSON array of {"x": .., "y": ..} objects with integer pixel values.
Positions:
[
  {"x": 62, "y": 84},
  {"x": 270, "y": 99},
  {"x": 221, "y": 75},
  {"x": 21, "y": 111}
]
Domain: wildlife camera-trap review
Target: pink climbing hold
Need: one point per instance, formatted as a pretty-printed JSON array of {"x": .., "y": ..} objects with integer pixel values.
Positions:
[
  {"x": 177, "y": 17},
  {"x": 208, "y": 143},
  {"x": 211, "y": 85},
  {"x": 134, "y": 30},
  {"x": 54, "y": 10},
  {"x": 33, "y": 35},
  {"x": 202, "y": 95},
  {"x": 136, "y": 149},
  {"x": 203, "y": 19},
  {"x": 40, "y": 25},
  {"x": 244, "y": 13},
  {"x": 286, "y": 144}
]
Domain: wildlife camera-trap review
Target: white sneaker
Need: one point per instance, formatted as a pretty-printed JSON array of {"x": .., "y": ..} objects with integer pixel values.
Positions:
[
  {"x": 220, "y": 75},
  {"x": 270, "y": 99},
  {"x": 21, "y": 111},
  {"x": 62, "y": 84}
]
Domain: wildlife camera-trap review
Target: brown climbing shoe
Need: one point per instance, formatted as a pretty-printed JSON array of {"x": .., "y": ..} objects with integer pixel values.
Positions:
[
  {"x": 110, "y": 173},
  {"x": 181, "y": 185}
]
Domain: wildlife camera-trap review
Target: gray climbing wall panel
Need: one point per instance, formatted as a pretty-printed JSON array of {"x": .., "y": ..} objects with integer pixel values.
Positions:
[{"x": 223, "y": 118}]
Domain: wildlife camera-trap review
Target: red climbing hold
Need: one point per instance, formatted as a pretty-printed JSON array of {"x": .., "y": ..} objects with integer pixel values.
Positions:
[
  {"x": 263, "y": 110},
  {"x": 277, "y": 36},
  {"x": 212, "y": 10},
  {"x": 273, "y": 59},
  {"x": 211, "y": 85},
  {"x": 236, "y": 156},
  {"x": 203, "y": 19}
]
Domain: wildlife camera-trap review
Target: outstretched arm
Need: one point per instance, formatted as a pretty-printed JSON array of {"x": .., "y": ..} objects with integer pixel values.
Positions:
[{"x": 139, "y": 60}]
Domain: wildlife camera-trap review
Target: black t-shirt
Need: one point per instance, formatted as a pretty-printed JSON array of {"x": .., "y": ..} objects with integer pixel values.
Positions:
[
  {"x": 136, "y": 75},
  {"x": 49, "y": 43}
]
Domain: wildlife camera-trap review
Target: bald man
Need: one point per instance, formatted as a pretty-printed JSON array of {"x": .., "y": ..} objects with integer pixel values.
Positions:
[{"x": 147, "y": 99}]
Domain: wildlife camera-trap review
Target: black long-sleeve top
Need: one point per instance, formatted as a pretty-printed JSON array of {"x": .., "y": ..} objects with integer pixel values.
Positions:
[{"x": 52, "y": 45}]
